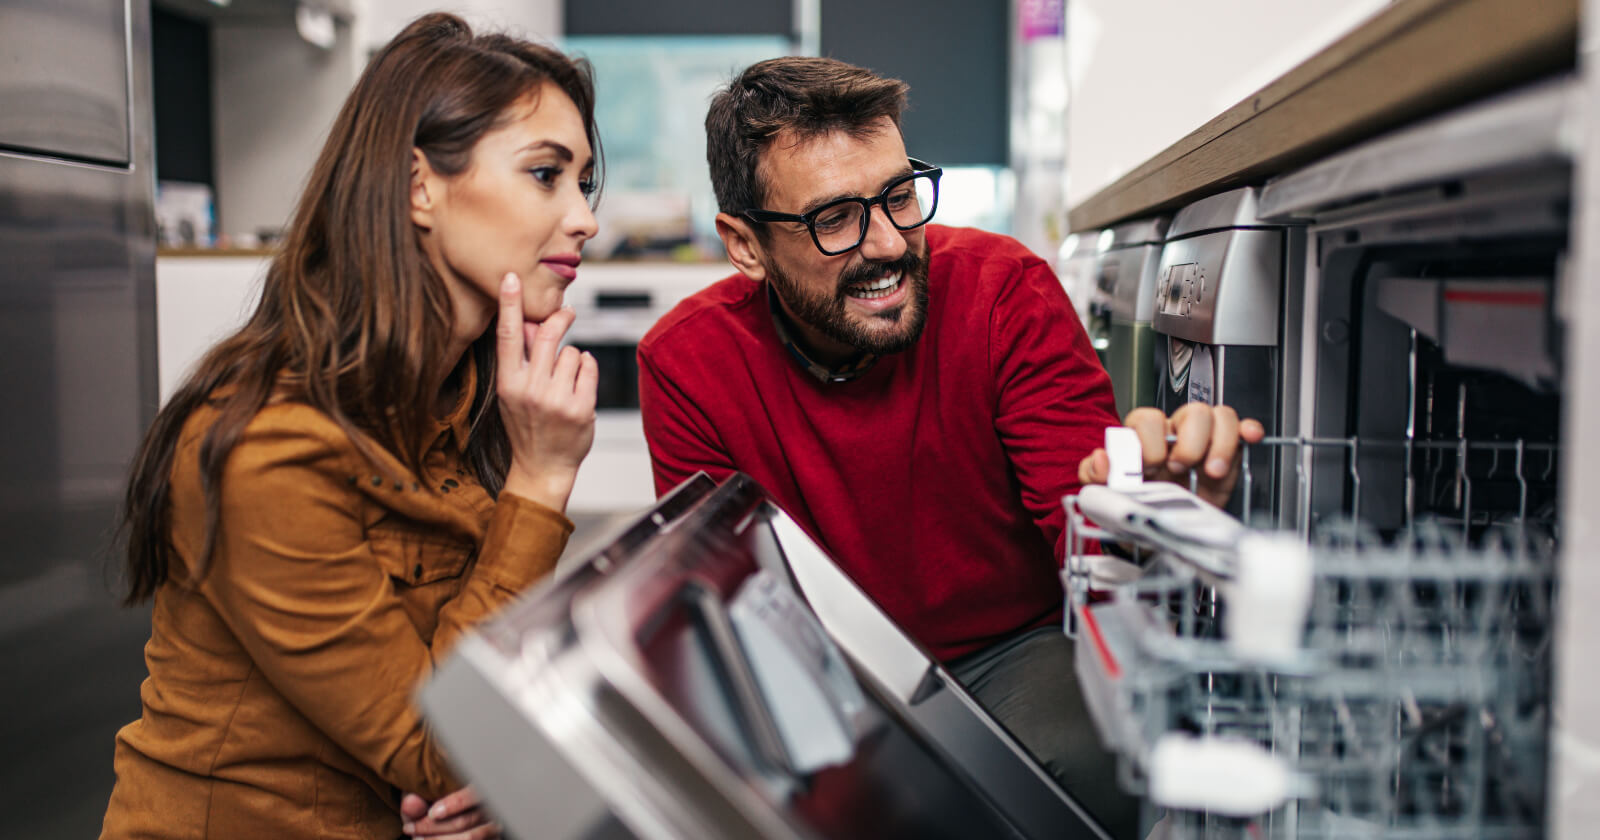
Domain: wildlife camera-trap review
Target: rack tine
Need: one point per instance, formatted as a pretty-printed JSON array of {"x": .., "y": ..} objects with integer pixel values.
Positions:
[
  {"x": 1464, "y": 485},
  {"x": 1249, "y": 475},
  {"x": 1522, "y": 489},
  {"x": 1302, "y": 492},
  {"x": 1355, "y": 477}
]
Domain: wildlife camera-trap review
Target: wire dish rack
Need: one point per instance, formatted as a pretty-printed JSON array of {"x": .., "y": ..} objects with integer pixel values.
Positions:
[{"x": 1348, "y": 681}]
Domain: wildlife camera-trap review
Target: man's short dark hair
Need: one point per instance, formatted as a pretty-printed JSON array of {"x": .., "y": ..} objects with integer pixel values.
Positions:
[{"x": 806, "y": 96}]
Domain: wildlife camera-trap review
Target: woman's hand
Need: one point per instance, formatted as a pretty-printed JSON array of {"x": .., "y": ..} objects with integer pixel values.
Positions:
[
  {"x": 547, "y": 397},
  {"x": 1207, "y": 439},
  {"x": 454, "y": 817}
]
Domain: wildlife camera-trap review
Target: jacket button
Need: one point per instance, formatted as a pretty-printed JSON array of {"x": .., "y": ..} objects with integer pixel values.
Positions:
[
  {"x": 417, "y": 572},
  {"x": 450, "y": 482},
  {"x": 398, "y": 486},
  {"x": 444, "y": 488},
  {"x": 377, "y": 481}
]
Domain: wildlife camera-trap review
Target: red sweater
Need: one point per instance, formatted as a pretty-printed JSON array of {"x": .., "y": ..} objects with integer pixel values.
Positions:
[{"x": 934, "y": 479}]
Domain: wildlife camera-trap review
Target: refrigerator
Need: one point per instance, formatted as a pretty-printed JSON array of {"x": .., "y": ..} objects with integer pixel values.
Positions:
[{"x": 78, "y": 374}]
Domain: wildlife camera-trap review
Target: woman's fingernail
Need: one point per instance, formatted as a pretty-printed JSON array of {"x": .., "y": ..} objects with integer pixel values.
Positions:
[
  {"x": 1174, "y": 467},
  {"x": 437, "y": 811},
  {"x": 408, "y": 826},
  {"x": 1217, "y": 467}
]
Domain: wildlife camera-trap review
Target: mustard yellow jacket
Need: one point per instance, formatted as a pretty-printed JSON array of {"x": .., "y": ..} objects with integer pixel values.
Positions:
[{"x": 279, "y": 702}]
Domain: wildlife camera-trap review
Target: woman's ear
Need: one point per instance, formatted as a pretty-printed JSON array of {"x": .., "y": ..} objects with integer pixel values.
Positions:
[
  {"x": 425, "y": 186},
  {"x": 744, "y": 250}
]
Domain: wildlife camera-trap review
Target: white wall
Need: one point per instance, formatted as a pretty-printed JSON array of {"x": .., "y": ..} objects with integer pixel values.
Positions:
[
  {"x": 1144, "y": 73},
  {"x": 275, "y": 97},
  {"x": 378, "y": 20}
]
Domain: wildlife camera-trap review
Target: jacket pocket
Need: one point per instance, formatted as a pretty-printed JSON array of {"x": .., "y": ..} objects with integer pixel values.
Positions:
[
  {"x": 417, "y": 557},
  {"x": 425, "y": 568}
]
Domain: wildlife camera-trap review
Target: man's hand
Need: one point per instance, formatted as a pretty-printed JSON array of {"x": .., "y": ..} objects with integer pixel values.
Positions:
[
  {"x": 456, "y": 816},
  {"x": 1207, "y": 438}
]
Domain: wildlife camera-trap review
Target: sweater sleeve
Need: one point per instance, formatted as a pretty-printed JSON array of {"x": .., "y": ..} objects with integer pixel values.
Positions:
[
  {"x": 1053, "y": 398},
  {"x": 681, "y": 439},
  {"x": 295, "y": 579}
]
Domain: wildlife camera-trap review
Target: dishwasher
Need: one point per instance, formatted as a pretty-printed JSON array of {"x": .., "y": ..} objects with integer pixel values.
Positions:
[
  {"x": 710, "y": 673},
  {"x": 1374, "y": 660}
]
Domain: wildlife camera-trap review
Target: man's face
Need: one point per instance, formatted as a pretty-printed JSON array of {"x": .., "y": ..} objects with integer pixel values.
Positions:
[{"x": 872, "y": 298}]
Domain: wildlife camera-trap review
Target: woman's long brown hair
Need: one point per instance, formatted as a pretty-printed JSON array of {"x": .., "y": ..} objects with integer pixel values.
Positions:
[{"x": 353, "y": 320}]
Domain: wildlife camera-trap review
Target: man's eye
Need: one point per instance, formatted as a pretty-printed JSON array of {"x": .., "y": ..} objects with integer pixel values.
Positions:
[
  {"x": 901, "y": 198},
  {"x": 832, "y": 220}
]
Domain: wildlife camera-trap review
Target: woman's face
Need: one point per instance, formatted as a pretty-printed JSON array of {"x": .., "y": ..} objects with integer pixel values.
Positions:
[{"x": 521, "y": 205}]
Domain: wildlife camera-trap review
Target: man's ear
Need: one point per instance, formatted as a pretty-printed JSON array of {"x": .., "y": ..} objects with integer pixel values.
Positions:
[
  {"x": 744, "y": 250},
  {"x": 425, "y": 185}
]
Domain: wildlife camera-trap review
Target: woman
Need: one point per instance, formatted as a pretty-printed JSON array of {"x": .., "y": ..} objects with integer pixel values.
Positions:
[{"x": 366, "y": 468}]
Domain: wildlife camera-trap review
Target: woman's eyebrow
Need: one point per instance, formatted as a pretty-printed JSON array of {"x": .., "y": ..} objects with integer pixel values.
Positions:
[{"x": 561, "y": 151}]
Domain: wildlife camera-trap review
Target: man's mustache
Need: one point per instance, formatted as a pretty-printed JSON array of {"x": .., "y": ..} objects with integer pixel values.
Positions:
[{"x": 907, "y": 265}]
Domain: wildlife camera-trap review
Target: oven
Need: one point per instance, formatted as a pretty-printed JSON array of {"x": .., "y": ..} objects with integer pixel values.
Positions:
[{"x": 617, "y": 302}]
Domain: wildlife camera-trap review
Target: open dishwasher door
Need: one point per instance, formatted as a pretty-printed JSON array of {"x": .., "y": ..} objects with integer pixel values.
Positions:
[{"x": 679, "y": 685}]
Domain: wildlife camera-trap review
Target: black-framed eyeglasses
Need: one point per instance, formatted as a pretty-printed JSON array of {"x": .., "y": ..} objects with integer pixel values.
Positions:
[{"x": 840, "y": 226}]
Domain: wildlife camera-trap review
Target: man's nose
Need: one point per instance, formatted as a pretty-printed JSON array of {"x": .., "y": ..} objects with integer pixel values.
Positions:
[{"x": 883, "y": 241}]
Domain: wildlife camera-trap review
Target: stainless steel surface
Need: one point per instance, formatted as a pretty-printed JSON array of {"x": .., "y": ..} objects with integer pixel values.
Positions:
[
  {"x": 1231, "y": 209},
  {"x": 64, "y": 90},
  {"x": 1075, "y": 265},
  {"x": 1575, "y": 732},
  {"x": 78, "y": 368},
  {"x": 1151, "y": 231},
  {"x": 1125, "y": 299},
  {"x": 1530, "y": 126},
  {"x": 1222, "y": 287},
  {"x": 624, "y": 680}
]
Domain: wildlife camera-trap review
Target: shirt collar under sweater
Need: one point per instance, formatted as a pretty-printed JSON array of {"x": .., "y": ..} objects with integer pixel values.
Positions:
[{"x": 847, "y": 370}]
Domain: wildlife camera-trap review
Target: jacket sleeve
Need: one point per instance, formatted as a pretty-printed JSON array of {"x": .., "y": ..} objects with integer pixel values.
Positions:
[
  {"x": 1053, "y": 398},
  {"x": 681, "y": 438},
  {"x": 296, "y": 581}
]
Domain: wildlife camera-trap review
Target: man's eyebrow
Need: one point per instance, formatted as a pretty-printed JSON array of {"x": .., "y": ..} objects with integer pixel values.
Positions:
[{"x": 822, "y": 202}]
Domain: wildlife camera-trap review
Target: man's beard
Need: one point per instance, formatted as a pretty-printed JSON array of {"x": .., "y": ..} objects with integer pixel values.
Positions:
[{"x": 829, "y": 315}]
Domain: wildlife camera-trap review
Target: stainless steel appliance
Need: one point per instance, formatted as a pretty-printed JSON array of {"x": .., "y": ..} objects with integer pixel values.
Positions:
[
  {"x": 78, "y": 368},
  {"x": 1227, "y": 305},
  {"x": 712, "y": 674},
  {"x": 1433, "y": 289},
  {"x": 1410, "y": 696},
  {"x": 1075, "y": 265},
  {"x": 1126, "y": 274}
]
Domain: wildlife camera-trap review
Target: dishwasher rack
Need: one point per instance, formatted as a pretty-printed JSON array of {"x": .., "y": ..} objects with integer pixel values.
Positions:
[{"x": 1414, "y": 703}]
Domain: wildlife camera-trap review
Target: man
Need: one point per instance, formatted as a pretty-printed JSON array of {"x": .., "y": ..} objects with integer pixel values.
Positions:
[{"x": 918, "y": 398}]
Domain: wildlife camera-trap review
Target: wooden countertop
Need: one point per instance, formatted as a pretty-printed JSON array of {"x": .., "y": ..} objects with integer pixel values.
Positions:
[{"x": 1415, "y": 58}]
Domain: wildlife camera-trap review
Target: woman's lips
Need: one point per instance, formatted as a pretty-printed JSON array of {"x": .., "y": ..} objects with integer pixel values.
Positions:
[
  {"x": 564, "y": 265},
  {"x": 570, "y": 272}
]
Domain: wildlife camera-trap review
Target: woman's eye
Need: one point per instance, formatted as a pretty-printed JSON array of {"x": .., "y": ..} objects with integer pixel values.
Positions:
[
  {"x": 588, "y": 186},
  {"x": 545, "y": 174}
]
